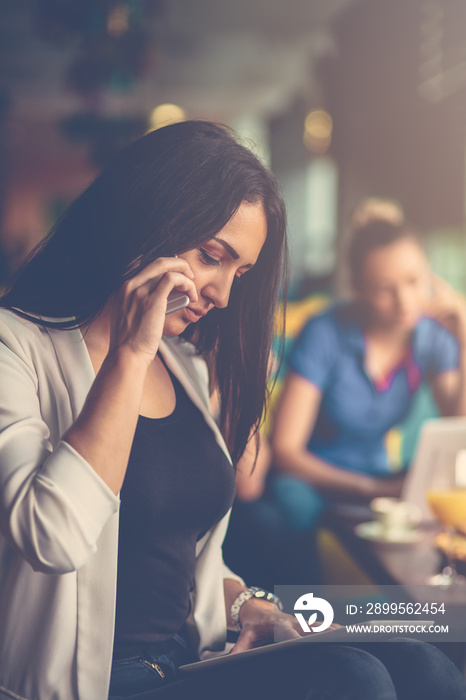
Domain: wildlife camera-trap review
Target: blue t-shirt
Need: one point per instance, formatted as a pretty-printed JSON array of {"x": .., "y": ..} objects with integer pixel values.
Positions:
[{"x": 355, "y": 413}]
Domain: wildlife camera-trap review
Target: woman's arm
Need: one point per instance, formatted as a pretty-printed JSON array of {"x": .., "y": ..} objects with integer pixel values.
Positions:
[
  {"x": 104, "y": 430},
  {"x": 56, "y": 494},
  {"x": 294, "y": 423},
  {"x": 53, "y": 505},
  {"x": 448, "y": 307},
  {"x": 251, "y": 473},
  {"x": 449, "y": 389},
  {"x": 261, "y": 621}
]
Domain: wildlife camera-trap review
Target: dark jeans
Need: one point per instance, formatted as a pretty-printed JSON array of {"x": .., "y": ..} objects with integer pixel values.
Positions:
[
  {"x": 395, "y": 670},
  {"x": 152, "y": 666}
]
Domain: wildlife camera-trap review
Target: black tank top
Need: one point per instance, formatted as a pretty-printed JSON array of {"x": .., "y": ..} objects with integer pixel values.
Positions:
[{"x": 178, "y": 484}]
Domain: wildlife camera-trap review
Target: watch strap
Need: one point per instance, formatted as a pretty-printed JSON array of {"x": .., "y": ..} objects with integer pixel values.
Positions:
[{"x": 247, "y": 594}]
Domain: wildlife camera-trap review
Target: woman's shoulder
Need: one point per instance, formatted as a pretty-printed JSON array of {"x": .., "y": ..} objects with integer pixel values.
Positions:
[
  {"x": 30, "y": 341},
  {"x": 15, "y": 330},
  {"x": 22, "y": 344},
  {"x": 427, "y": 326},
  {"x": 13, "y": 318},
  {"x": 430, "y": 335}
]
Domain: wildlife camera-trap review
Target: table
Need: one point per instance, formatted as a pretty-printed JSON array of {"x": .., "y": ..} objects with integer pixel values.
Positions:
[
  {"x": 405, "y": 565},
  {"x": 387, "y": 563}
]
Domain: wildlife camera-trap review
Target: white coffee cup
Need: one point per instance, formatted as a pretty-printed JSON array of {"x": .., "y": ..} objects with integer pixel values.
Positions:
[{"x": 395, "y": 516}]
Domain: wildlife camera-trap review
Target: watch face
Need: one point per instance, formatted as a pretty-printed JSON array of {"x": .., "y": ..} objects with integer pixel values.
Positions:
[{"x": 266, "y": 595}]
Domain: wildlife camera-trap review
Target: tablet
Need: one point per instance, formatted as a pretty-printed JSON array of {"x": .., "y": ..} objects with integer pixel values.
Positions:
[{"x": 340, "y": 636}]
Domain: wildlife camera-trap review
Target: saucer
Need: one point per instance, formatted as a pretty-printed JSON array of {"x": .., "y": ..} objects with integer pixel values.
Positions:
[{"x": 374, "y": 531}]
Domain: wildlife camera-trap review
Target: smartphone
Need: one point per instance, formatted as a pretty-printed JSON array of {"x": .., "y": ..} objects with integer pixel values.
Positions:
[{"x": 176, "y": 300}]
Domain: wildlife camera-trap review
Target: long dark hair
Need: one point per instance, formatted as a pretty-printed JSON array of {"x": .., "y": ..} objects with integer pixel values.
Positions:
[{"x": 167, "y": 193}]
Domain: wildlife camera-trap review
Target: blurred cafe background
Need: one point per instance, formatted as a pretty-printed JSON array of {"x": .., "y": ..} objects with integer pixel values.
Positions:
[{"x": 343, "y": 99}]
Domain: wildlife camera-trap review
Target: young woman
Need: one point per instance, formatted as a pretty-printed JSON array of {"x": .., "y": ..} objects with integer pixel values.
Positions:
[
  {"x": 355, "y": 370},
  {"x": 102, "y": 397}
]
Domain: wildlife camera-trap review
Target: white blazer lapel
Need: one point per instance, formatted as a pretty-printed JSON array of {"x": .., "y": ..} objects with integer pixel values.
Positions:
[
  {"x": 187, "y": 381},
  {"x": 74, "y": 361}
]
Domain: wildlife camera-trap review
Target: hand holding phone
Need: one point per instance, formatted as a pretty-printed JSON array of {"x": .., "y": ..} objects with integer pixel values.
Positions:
[
  {"x": 142, "y": 302},
  {"x": 176, "y": 300}
]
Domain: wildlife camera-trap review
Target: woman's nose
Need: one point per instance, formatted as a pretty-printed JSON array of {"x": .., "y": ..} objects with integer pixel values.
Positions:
[{"x": 219, "y": 293}]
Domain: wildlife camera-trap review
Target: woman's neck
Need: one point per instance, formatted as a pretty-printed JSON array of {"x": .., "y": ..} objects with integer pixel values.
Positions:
[
  {"x": 383, "y": 333},
  {"x": 392, "y": 335}
]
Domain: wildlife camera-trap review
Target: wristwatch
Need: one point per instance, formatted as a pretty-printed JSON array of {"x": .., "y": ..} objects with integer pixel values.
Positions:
[{"x": 247, "y": 594}]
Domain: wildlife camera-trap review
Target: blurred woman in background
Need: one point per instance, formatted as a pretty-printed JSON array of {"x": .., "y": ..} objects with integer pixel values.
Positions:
[{"x": 356, "y": 368}]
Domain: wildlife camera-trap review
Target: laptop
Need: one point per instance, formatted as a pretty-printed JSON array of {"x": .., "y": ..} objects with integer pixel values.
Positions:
[{"x": 442, "y": 441}]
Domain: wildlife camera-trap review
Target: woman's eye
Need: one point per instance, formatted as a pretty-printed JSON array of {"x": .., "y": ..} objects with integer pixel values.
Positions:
[{"x": 208, "y": 259}]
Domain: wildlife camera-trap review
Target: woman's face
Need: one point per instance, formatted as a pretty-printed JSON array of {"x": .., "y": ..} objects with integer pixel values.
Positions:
[
  {"x": 218, "y": 262},
  {"x": 395, "y": 284}
]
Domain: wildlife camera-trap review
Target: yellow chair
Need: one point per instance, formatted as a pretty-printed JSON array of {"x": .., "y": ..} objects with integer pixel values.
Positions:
[{"x": 337, "y": 565}]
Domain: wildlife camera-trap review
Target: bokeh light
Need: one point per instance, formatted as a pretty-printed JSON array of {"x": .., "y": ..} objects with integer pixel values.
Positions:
[
  {"x": 166, "y": 114},
  {"x": 318, "y": 128}
]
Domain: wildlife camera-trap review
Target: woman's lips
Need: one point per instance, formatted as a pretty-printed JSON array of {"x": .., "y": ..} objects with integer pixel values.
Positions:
[{"x": 191, "y": 315}]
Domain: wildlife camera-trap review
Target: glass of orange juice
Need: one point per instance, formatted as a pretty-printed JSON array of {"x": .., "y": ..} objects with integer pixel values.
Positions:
[{"x": 446, "y": 497}]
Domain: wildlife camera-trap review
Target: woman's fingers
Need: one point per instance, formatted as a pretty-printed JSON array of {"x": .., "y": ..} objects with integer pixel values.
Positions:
[
  {"x": 277, "y": 628},
  {"x": 157, "y": 268},
  {"x": 444, "y": 299},
  {"x": 288, "y": 631},
  {"x": 448, "y": 307},
  {"x": 283, "y": 627},
  {"x": 172, "y": 280},
  {"x": 248, "y": 639},
  {"x": 141, "y": 304},
  {"x": 161, "y": 277},
  {"x": 251, "y": 638}
]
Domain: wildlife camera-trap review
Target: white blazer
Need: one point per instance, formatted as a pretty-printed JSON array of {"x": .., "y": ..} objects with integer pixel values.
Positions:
[{"x": 59, "y": 522}]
